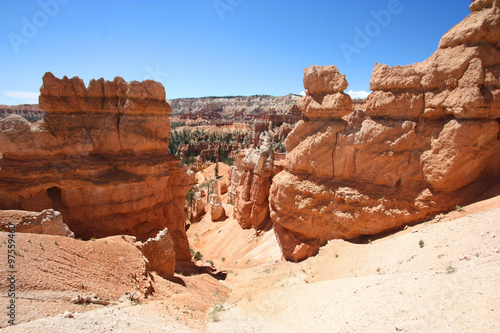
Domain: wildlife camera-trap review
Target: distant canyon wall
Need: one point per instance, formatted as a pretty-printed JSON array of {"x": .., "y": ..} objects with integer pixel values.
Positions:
[
  {"x": 100, "y": 157},
  {"x": 429, "y": 140},
  {"x": 31, "y": 112},
  {"x": 278, "y": 109}
]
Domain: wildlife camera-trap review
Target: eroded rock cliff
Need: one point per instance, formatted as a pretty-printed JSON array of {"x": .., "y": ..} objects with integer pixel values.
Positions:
[
  {"x": 430, "y": 141},
  {"x": 100, "y": 157},
  {"x": 251, "y": 180}
]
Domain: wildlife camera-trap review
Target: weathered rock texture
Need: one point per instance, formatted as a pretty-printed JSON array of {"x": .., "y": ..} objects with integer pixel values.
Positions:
[
  {"x": 235, "y": 177},
  {"x": 48, "y": 221},
  {"x": 217, "y": 211},
  {"x": 160, "y": 254},
  {"x": 198, "y": 209},
  {"x": 254, "y": 177},
  {"x": 100, "y": 157},
  {"x": 430, "y": 141},
  {"x": 209, "y": 150}
]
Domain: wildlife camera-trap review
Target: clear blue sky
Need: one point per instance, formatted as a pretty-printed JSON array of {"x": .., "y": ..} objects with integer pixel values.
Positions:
[{"x": 204, "y": 47}]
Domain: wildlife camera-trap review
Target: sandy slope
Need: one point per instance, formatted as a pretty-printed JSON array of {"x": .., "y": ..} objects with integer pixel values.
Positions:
[
  {"x": 391, "y": 284},
  {"x": 438, "y": 276}
]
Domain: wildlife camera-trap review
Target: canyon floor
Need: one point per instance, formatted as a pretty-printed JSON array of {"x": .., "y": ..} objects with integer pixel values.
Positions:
[{"x": 438, "y": 276}]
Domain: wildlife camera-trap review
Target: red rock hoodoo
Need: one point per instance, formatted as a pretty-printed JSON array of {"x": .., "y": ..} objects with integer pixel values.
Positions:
[
  {"x": 100, "y": 157},
  {"x": 252, "y": 190},
  {"x": 430, "y": 141}
]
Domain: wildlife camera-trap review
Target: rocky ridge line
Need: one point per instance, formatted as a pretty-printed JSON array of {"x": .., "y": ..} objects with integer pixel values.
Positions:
[
  {"x": 430, "y": 141},
  {"x": 100, "y": 157}
]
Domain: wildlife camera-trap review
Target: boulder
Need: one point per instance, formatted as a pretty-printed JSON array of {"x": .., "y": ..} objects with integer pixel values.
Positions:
[
  {"x": 217, "y": 211},
  {"x": 48, "y": 221},
  {"x": 160, "y": 253},
  {"x": 325, "y": 97},
  {"x": 323, "y": 80}
]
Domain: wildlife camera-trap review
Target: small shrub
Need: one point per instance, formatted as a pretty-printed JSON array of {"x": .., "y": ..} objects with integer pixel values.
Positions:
[
  {"x": 210, "y": 262},
  {"x": 421, "y": 243},
  {"x": 450, "y": 269},
  {"x": 198, "y": 256},
  {"x": 223, "y": 259},
  {"x": 459, "y": 208},
  {"x": 214, "y": 315}
]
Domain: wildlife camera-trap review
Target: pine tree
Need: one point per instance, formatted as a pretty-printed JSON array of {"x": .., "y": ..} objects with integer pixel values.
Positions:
[{"x": 190, "y": 198}]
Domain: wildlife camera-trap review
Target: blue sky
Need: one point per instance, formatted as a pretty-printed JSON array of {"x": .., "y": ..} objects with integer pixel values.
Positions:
[{"x": 213, "y": 47}]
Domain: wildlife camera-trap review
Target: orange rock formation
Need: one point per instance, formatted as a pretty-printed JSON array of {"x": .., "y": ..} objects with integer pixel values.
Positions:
[
  {"x": 100, "y": 157},
  {"x": 430, "y": 141},
  {"x": 251, "y": 181},
  {"x": 159, "y": 252},
  {"x": 48, "y": 221}
]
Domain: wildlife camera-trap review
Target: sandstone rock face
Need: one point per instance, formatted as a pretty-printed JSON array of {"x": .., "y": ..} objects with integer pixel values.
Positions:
[
  {"x": 208, "y": 150},
  {"x": 217, "y": 211},
  {"x": 252, "y": 193},
  {"x": 199, "y": 205},
  {"x": 235, "y": 177},
  {"x": 48, "y": 221},
  {"x": 429, "y": 140},
  {"x": 100, "y": 157},
  {"x": 160, "y": 254},
  {"x": 324, "y": 93}
]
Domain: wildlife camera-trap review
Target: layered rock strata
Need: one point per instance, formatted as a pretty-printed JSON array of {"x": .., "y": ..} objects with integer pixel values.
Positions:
[
  {"x": 209, "y": 150},
  {"x": 100, "y": 157},
  {"x": 429, "y": 141},
  {"x": 48, "y": 222}
]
